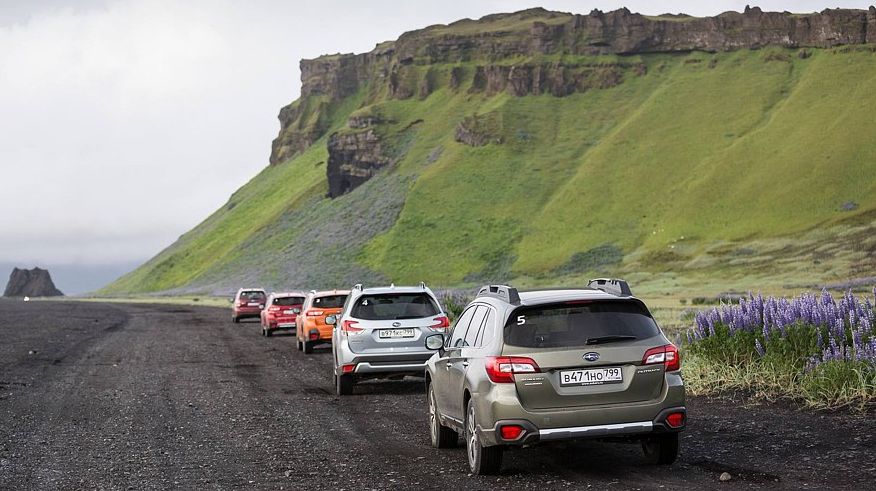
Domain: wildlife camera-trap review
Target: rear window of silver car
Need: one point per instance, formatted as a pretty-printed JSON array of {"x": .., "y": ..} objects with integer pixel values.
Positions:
[
  {"x": 394, "y": 306},
  {"x": 578, "y": 324},
  {"x": 330, "y": 302}
]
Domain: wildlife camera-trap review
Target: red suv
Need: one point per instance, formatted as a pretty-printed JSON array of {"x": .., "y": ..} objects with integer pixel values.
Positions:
[
  {"x": 248, "y": 303},
  {"x": 281, "y": 312}
]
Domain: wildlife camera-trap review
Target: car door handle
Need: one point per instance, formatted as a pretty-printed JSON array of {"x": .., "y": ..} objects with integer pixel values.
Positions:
[
  {"x": 447, "y": 365},
  {"x": 465, "y": 363}
]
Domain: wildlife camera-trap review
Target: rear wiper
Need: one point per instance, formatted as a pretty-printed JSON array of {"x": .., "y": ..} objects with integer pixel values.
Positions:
[{"x": 609, "y": 339}]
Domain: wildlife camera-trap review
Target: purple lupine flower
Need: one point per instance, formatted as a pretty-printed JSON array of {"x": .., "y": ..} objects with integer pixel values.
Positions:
[{"x": 759, "y": 347}]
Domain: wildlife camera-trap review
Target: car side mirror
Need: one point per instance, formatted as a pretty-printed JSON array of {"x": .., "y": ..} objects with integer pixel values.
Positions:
[
  {"x": 435, "y": 342},
  {"x": 230, "y": 300},
  {"x": 331, "y": 320}
]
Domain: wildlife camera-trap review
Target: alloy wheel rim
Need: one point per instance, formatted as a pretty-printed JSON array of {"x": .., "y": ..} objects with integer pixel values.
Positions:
[
  {"x": 472, "y": 437},
  {"x": 433, "y": 427}
]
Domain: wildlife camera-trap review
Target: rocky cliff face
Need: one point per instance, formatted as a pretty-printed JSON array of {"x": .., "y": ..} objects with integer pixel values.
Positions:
[
  {"x": 353, "y": 158},
  {"x": 35, "y": 282},
  {"x": 525, "y": 53}
]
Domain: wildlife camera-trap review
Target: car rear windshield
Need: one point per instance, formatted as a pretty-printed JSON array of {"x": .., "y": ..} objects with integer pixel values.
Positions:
[
  {"x": 330, "y": 302},
  {"x": 255, "y": 296},
  {"x": 573, "y": 324},
  {"x": 288, "y": 301},
  {"x": 394, "y": 306}
]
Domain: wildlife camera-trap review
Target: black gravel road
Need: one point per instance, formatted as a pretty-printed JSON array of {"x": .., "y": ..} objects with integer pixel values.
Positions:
[{"x": 111, "y": 396}]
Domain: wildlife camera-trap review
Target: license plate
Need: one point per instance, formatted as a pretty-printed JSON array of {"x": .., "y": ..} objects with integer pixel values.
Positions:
[
  {"x": 288, "y": 324},
  {"x": 253, "y": 304},
  {"x": 592, "y": 376},
  {"x": 289, "y": 312},
  {"x": 395, "y": 333}
]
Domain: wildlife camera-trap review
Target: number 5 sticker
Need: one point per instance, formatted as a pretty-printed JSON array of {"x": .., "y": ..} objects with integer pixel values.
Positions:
[{"x": 521, "y": 319}]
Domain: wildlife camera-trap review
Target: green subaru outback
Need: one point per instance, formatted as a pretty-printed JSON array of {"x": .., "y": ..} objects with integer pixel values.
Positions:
[{"x": 520, "y": 368}]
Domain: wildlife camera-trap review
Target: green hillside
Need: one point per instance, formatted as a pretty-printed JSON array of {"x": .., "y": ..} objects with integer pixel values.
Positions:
[{"x": 694, "y": 172}]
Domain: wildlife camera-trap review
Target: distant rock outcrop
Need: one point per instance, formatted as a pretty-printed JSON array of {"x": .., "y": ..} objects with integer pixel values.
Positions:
[
  {"x": 354, "y": 156},
  {"x": 34, "y": 282}
]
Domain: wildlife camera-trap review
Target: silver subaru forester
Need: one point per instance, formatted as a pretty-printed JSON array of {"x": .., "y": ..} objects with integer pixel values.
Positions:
[{"x": 381, "y": 333}]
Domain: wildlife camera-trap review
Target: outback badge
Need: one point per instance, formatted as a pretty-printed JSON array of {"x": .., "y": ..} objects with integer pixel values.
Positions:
[{"x": 591, "y": 356}]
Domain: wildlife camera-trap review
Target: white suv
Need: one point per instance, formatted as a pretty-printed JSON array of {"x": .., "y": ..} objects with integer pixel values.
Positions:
[{"x": 381, "y": 333}]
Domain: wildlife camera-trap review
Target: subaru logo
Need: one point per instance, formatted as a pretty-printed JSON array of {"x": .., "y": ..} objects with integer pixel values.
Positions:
[
  {"x": 592, "y": 356},
  {"x": 396, "y": 324}
]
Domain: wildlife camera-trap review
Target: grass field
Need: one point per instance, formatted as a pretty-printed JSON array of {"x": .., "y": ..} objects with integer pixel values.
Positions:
[{"x": 704, "y": 173}]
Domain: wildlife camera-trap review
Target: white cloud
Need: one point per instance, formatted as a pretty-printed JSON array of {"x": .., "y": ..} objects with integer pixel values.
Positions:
[{"x": 124, "y": 123}]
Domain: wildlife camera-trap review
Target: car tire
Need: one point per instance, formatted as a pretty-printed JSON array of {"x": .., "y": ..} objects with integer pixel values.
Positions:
[
  {"x": 298, "y": 344},
  {"x": 661, "y": 449},
  {"x": 481, "y": 460},
  {"x": 344, "y": 384},
  {"x": 268, "y": 333},
  {"x": 235, "y": 320},
  {"x": 308, "y": 347},
  {"x": 441, "y": 436}
]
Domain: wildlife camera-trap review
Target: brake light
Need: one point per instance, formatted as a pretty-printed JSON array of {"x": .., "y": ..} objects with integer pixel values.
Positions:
[
  {"x": 501, "y": 369},
  {"x": 510, "y": 432},
  {"x": 675, "y": 420},
  {"x": 274, "y": 308},
  {"x": 441, "y": 323},
  {"x": 667, "y": 355},
  {"x": 350, "y": 327},
  {"x": 314, "y": 313}
]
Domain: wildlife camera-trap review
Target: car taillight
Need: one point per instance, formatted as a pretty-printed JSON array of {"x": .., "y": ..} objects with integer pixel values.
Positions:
[
  {"x": 667, "y": 355},
  {"x": 348, "y": 368},
  {"x": 274, "y": 308},
  {"x": 350, "y": 327},
  {"x": 675, "y": 420},
  {"x": 501, "y": 369},
  {"x": 314, "y": 313},
  {"x": 440, "y": 323},
  {"x": 510, "y": 432}
]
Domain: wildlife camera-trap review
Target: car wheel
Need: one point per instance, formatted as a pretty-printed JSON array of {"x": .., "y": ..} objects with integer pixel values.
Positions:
[
  {"x": 481, "y": 460},
  {"x": 235, "y": 320},
  {"x": 308, "y": 347},
  {"x": 344, "y": 384},
  {"x": 298, "y": 344},
  {"x": 442, "y": 436},
  {"x": 661, "y": 449},
  {"x": 268, "y": 333}
]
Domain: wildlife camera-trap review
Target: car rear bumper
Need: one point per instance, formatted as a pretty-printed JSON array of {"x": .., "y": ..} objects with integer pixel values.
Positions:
[
  {"x": 282, "y": 326},
  {"x": 500, "y": 405},
  {"x": 532, "y": 434},
  {"x": 388, "y": 364}
]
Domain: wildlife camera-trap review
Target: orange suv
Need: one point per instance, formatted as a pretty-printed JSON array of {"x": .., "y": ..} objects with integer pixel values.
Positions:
[{"x": 318, "y": 307}]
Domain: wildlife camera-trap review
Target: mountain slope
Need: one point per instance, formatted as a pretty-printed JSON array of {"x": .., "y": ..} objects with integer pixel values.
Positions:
[{"x": 545, "y": 148}]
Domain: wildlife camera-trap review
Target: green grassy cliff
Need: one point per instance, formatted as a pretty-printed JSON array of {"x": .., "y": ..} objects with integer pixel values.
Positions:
[{"x": 681, "y": 170}]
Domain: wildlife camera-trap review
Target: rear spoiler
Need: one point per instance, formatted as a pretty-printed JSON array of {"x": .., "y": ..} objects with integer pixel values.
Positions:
[{"x": 612, "y": 286}]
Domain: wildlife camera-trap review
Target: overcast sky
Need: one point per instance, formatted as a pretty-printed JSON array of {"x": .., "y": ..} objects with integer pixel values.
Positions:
[{"x": 125, "y": 123}]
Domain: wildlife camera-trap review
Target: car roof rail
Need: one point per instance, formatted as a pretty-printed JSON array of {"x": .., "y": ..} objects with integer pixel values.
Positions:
[
  {"x": 358, "y": 286},
  {"x": 313, "y": 292},
  {"x": 423, "y": 285},
  {"x": 502, "y": 292},
  {"x": 612, "y": 286}
]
